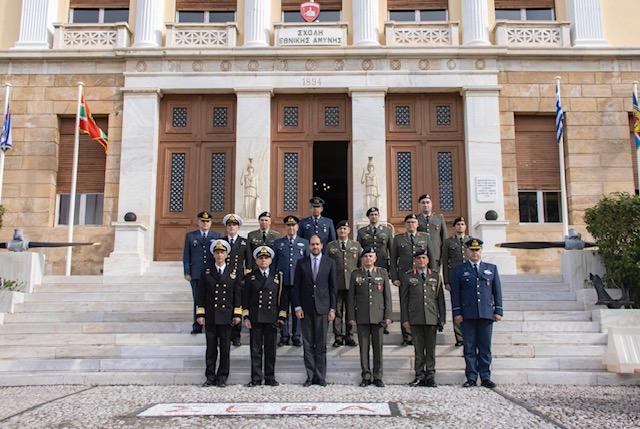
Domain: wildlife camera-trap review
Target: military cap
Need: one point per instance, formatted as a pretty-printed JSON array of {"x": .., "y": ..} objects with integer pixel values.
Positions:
[
  {"x": 367, "y": 249},
  {"x": 264, "y": 214},
  {"x": 411, "y": 216},
  {"x": 458, "y": 219},
  {"x": 291, "y": 220},
  {"x": 232, "y": 218},
  {"x": 420, "y": 252},
  {"x": 220, "y": 245},
  {"x": 372, "y": 210},
  {"x": 423, "y": 196},
  {"x": 342, "y": 223},
  {"x": 204, "y": 216},
  {"x": 316, "y": 202},
  {"x": 263, "y": 251},
  {"x": 474, "y": 243}
]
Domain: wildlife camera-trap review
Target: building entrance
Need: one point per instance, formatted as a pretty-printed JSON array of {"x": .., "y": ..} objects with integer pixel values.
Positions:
[{"x": 330, "y": 178}]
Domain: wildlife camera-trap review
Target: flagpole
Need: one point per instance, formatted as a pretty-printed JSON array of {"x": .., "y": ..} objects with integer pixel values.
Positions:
[
  {"x": 635, "y": 92},
  {"x": 7, "y": 95},
  {"x": 74, "y": 179},
  {"x": 563, "y": 179}
]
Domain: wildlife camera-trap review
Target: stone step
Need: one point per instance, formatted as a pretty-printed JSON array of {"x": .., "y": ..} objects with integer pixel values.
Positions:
[
  {"x": 184, "y": 326},
  {"x": 284, "y": 363},
  {"x": 500, "y": 376}
]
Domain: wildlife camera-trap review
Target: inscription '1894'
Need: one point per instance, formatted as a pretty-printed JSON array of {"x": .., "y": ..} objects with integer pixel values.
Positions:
[{"x": 311, "y": 81}]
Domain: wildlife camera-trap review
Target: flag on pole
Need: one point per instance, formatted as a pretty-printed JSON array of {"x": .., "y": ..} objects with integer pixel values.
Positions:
[
  {"x": 88, "y": 125},
  {"x": 559, "y": 115},
  {"x": 636, "y": 116},
  {"x": 5, "y": 136}
]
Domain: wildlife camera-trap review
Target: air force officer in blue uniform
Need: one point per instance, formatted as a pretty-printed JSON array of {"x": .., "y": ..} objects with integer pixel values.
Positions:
[
  {"x": 197, "y": 256},
  {"x": 318, "y": 225},
  {"x": 476, "y": 302}
]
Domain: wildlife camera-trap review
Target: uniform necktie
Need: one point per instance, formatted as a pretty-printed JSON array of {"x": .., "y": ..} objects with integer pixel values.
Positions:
[
  {"x": 424, "y": 276},
  {"x": 264, "y": 275},
  {"x": 219, "y": 271},
  {"x": 461, "y": 244},
  {"x": 315, "y": 268},
  {"x": 368, "y": 273},
  {"x": 291, "y": 242},
  {"x": 264, "y": 237},
  {"x": 204, "y": 235},
  {"x": 231, "y": 242},
  {"x": 315, "y": 222},
  {"x": 413, "y": 240},
  {"x": 475, "y": 269},
  {"x": 343, "y": 246}
]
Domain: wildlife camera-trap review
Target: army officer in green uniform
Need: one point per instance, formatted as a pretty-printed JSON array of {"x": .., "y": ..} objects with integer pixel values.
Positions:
[
  {"x": 404, "y": 246},
  {"x": 370, "y": 310},
  {"x": 346, "y": 254},
  {"x": 378, "y": 237},
  {"x": 422, "y": 310},
  {"x": 263, "y": 236},
  {"x": 435, "y": 227}
]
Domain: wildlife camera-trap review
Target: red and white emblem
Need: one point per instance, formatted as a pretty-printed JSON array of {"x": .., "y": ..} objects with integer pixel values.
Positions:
[{"x": 310, "y": 11}]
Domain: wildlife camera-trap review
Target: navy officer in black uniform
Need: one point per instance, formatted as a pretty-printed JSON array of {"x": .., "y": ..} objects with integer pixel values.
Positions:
[
  {"x": 263, "y": 312},
  {"x": 476, "y": 302},
  {"x": 197, "y": 256},
  {"x": 219, "y": 307},
  {"x": 318, "y": 225}
]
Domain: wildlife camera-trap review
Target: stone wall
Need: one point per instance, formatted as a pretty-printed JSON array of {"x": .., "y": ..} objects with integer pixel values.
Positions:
[
  {"x": 598, "y": 152},
  {"x": 29, "y": 193}
]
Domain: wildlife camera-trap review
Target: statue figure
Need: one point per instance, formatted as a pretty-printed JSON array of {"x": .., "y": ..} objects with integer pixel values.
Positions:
[
  {"x": 370, "y": 182},
  {"x": 251, "y": 198}
]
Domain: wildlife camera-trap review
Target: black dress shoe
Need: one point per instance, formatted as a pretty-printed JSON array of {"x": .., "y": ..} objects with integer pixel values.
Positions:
[
  {"x": 350, "y": 342},
  {"x": 209, "y": 383},
  {"x": 271, "y": 383},
  {"x": 459, "y": 343},
  {"x": 430, "y": 383},
  {"x": 236, "y": 342},
  {"x": 196, "y": 331},
  {"x": 297, "y": 342},
  {"x": 488, "y": 384},
  {"x": 253, "y": 383},
  {"x": 337, "y": 343},
  {"x": 321, "y": 383},
  {"x": 283, "y": 342},
  {"x": 307, "y": 383},
  {"x": 365, "y": 383},
  {"x": 469, "y": 383},
  {"x": 222, "y": 383},
  {"x": 417, "y": 382},
  {"x": 378, "y": 383}
]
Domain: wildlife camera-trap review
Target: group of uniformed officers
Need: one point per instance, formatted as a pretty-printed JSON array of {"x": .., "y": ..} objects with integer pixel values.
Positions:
[{"x": 253, "y": 282}]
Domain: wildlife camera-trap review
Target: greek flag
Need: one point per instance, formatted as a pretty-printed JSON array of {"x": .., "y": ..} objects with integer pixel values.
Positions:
[
  {"x": 5, "y": 137},
  {"x": 559, "y": 116}
]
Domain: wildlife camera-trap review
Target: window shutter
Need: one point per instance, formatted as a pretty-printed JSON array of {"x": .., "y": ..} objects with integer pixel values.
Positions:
[
  {"x": 537, "y": 158},
  {"x": 289, "y": 5},
  {"x": 91, "y": 159},
  {"x": 417, "y": 4},
  {"x": 99, "y": 4},
  {"x": 217, "y": 5},
  {"x": 524, "y": 4}
]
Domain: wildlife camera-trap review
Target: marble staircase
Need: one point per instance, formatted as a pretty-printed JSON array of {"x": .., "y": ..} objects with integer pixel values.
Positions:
[{"x": 101, "y": 330}]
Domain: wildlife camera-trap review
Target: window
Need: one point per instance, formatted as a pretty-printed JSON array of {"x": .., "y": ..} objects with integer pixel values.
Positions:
[
  {"x": 418, "y": 15},
  {"x": 525, "y": 10},
  {"x": 325, "y": 16},
  {"x": 539, "y": 206},
  {"x": 200, "y": 16},
  {"x": 91, "y": 172},
  {"x": 98, "y": 11}
]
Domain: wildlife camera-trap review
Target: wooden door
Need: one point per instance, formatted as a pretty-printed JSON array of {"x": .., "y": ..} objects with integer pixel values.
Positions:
[{"x": 196, "y": 167}]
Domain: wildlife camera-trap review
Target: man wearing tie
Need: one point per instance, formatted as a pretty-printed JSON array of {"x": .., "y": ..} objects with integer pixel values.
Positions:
[
  {"x": 314, "y": 301},
  {"x": 317, "y": 224},
  {"x": 263, "y": 236},
  {"x": 196, "y": 257},
  {"x": 476, "y": 302},
  {"x": 288, "y": 251},
  {"x": 454, "y": 253},
  {"x": 435, "y": 227}
]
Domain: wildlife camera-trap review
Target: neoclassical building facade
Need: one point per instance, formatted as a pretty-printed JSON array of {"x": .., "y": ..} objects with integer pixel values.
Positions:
[{"x": 242, "y": 106}]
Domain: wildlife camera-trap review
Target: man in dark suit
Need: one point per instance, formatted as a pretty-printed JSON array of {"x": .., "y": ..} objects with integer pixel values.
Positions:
[
  {"x": 239, "y": 258},
  {"x": 219, "y": 307},
  {"x": 476, "y": 302},
  {"x": 317, "y": 224},
  {"x": 314, "y": 301},
  {"x": 288, "y": 251},
  {"x": 196, "y": 257}
]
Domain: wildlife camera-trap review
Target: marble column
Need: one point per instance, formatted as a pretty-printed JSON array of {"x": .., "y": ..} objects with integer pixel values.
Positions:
[
  {"x": 134, "y": 241},
  {"x": 368, "y": 140},
  {"x": 475, "y": 23},
  {"x": 484, "y": 173},
  {"x": 257, "y": 23},
  {"x": 365, "y": 22},
  {"x": 149, "y": 24},
  {"x": 253, "y": 140},
  {"x": 586, "y": 23},
  {"x": 36, "y": 24}
]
